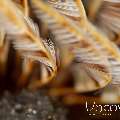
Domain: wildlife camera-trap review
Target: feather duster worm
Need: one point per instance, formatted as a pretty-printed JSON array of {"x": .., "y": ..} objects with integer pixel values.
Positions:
[
  {"x": 72, "y": 52},
  {"x": 108, "y": 10}
]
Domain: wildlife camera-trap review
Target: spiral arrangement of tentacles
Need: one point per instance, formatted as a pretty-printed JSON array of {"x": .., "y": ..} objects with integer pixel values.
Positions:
[{"x": 60, "y": 44}]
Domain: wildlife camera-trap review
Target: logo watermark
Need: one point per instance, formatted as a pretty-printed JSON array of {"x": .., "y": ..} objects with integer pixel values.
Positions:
[{"x": 101, "y": 109}]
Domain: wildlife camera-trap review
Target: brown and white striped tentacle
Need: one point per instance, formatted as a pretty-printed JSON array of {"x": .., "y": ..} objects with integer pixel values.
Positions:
[
  {"x": 110, "y": 12},
  {"x": 105, "y": 45},
  {"x": 67, "y": 7},
  {"x": 25, "y": 35}
]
